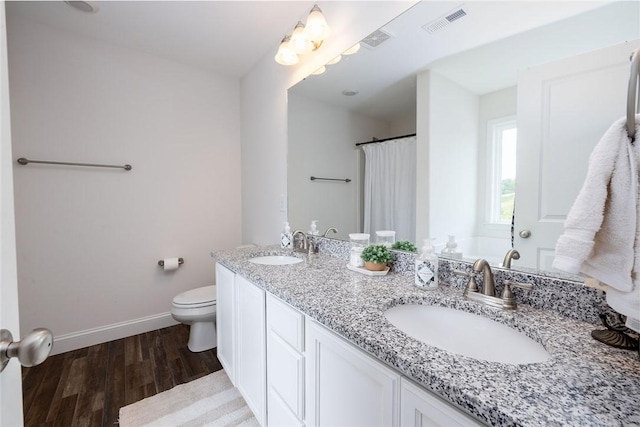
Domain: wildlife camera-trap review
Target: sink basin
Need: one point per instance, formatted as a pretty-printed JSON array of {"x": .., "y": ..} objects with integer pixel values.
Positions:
[
  {"x": 466, "y": 334},
  {"x": 275, "y": 260}
]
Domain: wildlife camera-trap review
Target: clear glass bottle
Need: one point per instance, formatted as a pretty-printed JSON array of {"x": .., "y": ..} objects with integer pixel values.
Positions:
[
  {"x": 450, "y": 250},
  {"x": 313, "y": 229},
  {"x": 357, "y": 243},
  {"x": 426, "y": 269},
  {"x": 386, "y": 237}
]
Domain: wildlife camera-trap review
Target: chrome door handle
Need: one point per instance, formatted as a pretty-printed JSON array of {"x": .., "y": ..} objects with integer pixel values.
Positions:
[
  {"x": 525, "y": 234},
  {"x": 32, "y": 350}
]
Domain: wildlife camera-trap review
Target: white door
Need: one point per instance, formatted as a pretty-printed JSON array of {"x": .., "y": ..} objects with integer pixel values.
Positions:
[
  {"x": 10, "y": 380},
  {"x": 564, "y": 108},
  {"x": 251, "y": 369},
  {"x": 225, "y": 320}
]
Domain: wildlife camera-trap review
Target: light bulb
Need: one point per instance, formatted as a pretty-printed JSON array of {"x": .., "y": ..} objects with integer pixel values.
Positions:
[
  {"x": 317, "y": 28},
  {"x": 299, "y": 42},
  {"x": 286, "y": 55}
]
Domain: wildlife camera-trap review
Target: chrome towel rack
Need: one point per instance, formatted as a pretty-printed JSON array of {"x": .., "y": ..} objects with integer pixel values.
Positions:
[
  {"x": 632, "y": 94},
  {"x": 24, "y": 162},
  {"x": 315, "y": 178}
]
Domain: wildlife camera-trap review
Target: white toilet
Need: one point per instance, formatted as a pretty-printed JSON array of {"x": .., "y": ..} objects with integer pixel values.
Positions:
[{"x": 197, "y": 307}]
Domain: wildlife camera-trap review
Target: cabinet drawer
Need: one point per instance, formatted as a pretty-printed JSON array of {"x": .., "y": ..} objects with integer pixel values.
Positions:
[{"x": 286, "y": 322}]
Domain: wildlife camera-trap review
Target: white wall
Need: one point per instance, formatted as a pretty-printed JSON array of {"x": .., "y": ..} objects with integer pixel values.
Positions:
[
  {"x": 405, "y": 125},
  {"x": 322, "y": 141},
  {"x": 89, "y": 239},
  {"x": 447, "y": 158},
  {"x": 264, "y": 114}
]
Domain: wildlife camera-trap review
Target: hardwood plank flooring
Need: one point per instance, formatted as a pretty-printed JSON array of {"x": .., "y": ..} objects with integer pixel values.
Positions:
[{"x": 87, "y": 387}]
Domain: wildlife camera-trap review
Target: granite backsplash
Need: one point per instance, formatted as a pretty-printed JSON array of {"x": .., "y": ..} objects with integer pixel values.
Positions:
[{"x": 569, "y": 298}]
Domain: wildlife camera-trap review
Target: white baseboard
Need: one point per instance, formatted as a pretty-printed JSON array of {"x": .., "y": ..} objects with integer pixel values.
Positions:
[{"x": 81, "y": 339}]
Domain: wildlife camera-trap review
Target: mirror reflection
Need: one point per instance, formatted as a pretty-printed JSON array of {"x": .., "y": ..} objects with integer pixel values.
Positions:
[{"x": 504, "y": 116}]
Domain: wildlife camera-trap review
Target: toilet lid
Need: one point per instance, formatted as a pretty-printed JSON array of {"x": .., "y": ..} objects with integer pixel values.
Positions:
[{"x": 198, "y": 296}]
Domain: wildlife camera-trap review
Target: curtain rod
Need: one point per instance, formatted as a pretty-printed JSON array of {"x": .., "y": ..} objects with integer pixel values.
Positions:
[{"x": 376, "y": 140}]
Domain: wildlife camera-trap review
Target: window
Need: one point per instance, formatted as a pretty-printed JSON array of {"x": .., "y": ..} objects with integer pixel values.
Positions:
[{"x": 502, "y": 171}]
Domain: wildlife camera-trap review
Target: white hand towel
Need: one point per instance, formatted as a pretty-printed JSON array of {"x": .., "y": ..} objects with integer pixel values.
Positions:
[{"x": 602, "y": 231}]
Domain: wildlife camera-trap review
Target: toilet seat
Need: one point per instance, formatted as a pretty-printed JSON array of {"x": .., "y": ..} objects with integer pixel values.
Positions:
[{"x": 196, "y": 298}]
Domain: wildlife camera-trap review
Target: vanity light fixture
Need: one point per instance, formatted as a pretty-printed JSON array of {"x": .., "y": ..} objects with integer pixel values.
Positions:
[
  {"x": 353, "y": 49},
  {"x": 304, "y": 39},
  {"x": 286, "y": 55},
  {"x": 299, "y": 42}
]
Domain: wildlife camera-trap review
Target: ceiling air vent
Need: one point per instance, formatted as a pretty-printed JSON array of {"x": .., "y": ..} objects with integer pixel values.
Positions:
[
  {"x": 440, "y": 23},
  {"x": 376, "y": 38}
]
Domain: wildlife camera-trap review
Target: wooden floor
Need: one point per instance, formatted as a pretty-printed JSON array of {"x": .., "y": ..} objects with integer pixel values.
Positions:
[{"x": 87, "y": 387}]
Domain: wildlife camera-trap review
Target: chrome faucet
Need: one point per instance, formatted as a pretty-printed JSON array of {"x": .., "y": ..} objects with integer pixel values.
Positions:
[
  {"x": 305, "y": 240},
  {"x": 511, "y": 254},
  {"x": 309, "y": 244},
  {"x": 488, "y": 284},
  {"x": 335, "y": 231}
]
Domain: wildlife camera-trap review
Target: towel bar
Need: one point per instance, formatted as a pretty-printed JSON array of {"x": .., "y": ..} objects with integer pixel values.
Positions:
[
  {"x": 24, "y": 162},
  {"x": 315, "y": 178}
]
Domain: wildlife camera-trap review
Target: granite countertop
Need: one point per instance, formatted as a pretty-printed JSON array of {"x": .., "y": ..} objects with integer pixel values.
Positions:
[{"x": 585, "y": 383}]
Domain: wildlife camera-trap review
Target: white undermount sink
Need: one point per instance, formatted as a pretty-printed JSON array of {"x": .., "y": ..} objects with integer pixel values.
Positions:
[
  {"x": 275, "y": 260},
  {"x": 466, "y": 334}
]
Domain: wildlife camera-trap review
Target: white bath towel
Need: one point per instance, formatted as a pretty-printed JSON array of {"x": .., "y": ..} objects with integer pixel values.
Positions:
[{"x": 602, "y": 231}]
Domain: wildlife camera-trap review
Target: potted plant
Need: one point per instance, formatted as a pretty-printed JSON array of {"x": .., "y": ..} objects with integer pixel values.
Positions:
[
  {"x": 376, "y": 257},
  {"x": 404, "y": 245}
]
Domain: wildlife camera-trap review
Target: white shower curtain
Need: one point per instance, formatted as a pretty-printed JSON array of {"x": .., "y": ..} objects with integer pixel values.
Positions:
[{"x": 390, "y": 187}]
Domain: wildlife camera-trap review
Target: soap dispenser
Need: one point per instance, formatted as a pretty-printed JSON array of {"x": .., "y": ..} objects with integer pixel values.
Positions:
[
  {"x": 450, "y": 250},
  {"x": 426, "y": 271},
  {"x": 286, "y": 238},
  {"x": 313, "y": 228}
]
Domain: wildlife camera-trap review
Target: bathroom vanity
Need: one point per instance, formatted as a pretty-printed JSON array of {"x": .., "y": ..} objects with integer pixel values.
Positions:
[{"x": 308, "y": 344}]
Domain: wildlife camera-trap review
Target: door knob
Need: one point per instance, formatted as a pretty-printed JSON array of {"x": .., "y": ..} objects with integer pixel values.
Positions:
[
  {"x": 525, "y": 234},
  {"x": 32, "y": 350}
]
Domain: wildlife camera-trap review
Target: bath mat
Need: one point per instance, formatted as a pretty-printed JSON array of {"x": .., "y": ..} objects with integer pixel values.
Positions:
[{"x": 207, "y": 401}]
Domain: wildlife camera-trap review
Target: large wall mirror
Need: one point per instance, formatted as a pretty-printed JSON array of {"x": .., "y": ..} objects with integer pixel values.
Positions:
[{"x": 506, "y": 101}]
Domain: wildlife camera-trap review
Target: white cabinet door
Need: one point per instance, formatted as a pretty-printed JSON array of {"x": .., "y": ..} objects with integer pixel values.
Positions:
[
  {"x": 285, "y": 364},
  {"x": 251, "y": 359},
  {"x": 564, "y": 108},
  {"x": 225, "y": 319},
  {"x": 345, "y": 386},
  {"x": 421, "y": 409}
]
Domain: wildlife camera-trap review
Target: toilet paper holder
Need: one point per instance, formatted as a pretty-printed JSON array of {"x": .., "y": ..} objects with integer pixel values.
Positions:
[{"x": 180, "y": 262}]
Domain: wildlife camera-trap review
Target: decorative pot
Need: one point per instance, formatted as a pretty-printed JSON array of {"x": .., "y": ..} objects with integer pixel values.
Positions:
[{"x": 374, "y": 266}]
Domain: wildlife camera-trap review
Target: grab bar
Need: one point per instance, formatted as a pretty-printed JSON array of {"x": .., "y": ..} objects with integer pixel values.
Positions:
[
  {"x": 24, "y": 161},
  {"x": 632, "y": 94},
  {"x": 314, "y": 178}
]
